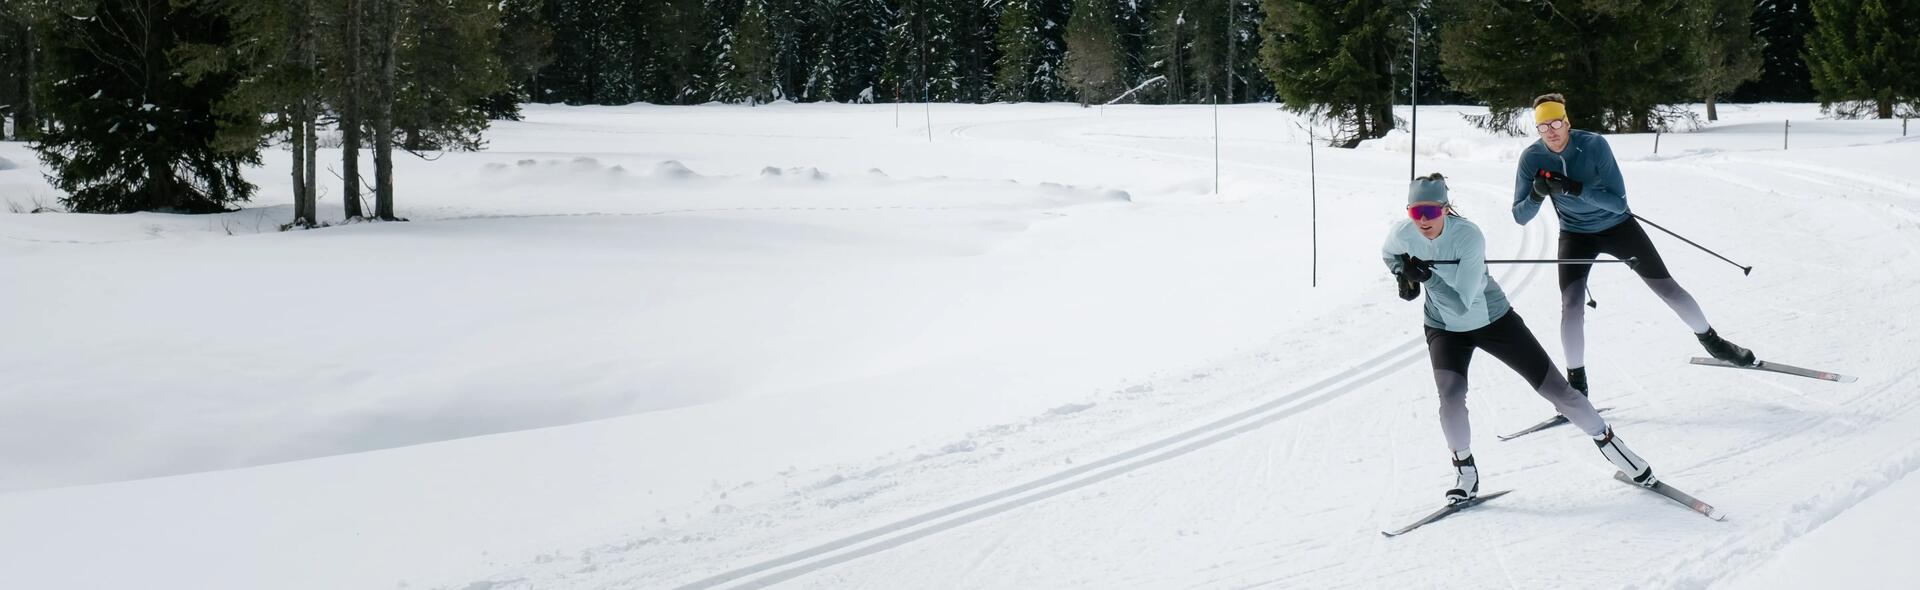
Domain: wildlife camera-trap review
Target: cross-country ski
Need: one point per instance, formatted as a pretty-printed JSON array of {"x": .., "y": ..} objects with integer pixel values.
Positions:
[
  {"x": 1676, "y": 495},
  {"x": 1448, "y": 510},
  {"x": 1556, "y": 420},
  {"x": 1778, "y": 368}
]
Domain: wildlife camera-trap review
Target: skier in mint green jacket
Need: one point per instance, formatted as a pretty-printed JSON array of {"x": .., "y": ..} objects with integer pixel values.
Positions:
[
  {"x": 1576, "y": 171},
  {"x": 1466, "y": 310}
]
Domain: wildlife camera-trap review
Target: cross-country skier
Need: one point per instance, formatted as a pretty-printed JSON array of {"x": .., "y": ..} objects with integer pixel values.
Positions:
[
  {"x": 1576, "y": 168},
  {"x": 1465, "y": 310}
]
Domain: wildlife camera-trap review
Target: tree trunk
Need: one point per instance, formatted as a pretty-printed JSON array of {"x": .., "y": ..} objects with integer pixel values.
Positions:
[
  {"x": 1227, "y": 73},
  {"x": 26, "y": 122},
  {"x": 1713, "y": 114},
  {"x": 1884, "y": 108},
  {"x": 309, "y": 149},
  {"x": 311, "y": 153},
  {"x": 297, "y": 141},
  {"x": 350, "y": 115},
  {"x": 383, "y": 112},
  {"x": 296, "y": 130}
]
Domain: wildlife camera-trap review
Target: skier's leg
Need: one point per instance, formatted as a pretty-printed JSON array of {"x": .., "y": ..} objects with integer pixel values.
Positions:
[
  {"x": 1573, "y": 289},
  {"x": 1450, "y": 353},
  {"x": 1509, "y": 340},
  {"x": 1629, "y": 240}
]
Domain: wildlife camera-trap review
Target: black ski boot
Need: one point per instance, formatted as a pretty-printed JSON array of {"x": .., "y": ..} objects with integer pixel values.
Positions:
[
  {"x": 1577, "y": 377},
  {"x": 1723, "y": 350},
  {"x": 1466, "y": 483}
]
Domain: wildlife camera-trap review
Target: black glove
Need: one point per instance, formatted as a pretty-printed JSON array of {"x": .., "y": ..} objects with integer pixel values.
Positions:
[
  {"x": 1541, "y": 190},
  {"x": 1556, "y": 183},
  {"x": 1415, "y": 269},
  {"x": 1409, "y": 290}
]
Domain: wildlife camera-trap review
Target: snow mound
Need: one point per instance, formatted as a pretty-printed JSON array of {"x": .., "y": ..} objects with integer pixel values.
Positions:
[
  {"x": 801, "y": 173},
  {"x": 673, "y": 169},
  {"x": 6, "y": 164}
]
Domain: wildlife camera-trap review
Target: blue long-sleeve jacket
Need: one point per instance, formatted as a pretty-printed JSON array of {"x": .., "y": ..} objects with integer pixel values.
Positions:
[
  {"x": 1460, "y": 297},
  {"x": 1602, "y": 202}
]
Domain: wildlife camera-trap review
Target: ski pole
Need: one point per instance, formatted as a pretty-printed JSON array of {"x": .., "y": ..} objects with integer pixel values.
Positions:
[
  {"x": 1630, "y": 261},
  {"x": 1747, "y": 270}
]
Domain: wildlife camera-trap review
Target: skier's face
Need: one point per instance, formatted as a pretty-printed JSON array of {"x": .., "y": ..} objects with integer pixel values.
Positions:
[
  {"x": 1430, "y": 228},
  {"x": 1554, "y": 133}
]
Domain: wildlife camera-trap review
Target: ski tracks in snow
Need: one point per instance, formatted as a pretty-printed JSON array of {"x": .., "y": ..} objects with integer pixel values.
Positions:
[{"x": 1266, "y": 376}]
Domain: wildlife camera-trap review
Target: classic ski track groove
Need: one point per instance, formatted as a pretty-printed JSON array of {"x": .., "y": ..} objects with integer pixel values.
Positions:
[{"x": 905, "y": 531}]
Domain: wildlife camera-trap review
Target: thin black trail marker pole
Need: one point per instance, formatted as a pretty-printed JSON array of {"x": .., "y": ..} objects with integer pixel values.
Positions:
[
  {"x": 1748, "y": 270},
  {"x": 1413, "y": 97},
  {"x": 1313, "y": 189}
]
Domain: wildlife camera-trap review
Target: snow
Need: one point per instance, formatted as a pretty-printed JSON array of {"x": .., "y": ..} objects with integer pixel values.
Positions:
[
  {"x": 1861, "y": 548},
  {"x": 646, "y": 346}
]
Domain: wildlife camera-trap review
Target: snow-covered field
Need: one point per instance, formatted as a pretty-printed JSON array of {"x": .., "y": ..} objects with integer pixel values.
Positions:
[{"x": 655, "y": 347}]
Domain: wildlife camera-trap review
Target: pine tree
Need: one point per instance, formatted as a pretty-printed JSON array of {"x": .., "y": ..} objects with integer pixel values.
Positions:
[
  {"x": 851, "y": 41},
  {"x": 135, "y": 133},
  {"x": 1864, "y": 50},
  {"x": 447, "y": 67},
  {"x": 1433, "y": 85},
  {"x": 1617, "y": 62},
  {"x": 1335, "y": 61},
  {"x": 525, "y": 47},
  {"x": 1245, "y": 82},
  {"x": 280, "y": 75},
  {"x": 1094, "y": 66},
  {"x": 1188, "y": 41},
  {"x": 675, "y": 46},
  {"x": 788, "y": 28},
  {"x": 975, "y": 52},
  {"x": 385, "y": 40},
  {"x": 744, "y": 63},
  {"x": 21, "y": 22},
  {"x": 1019, "y": 40},
  {"x": 921, "y": 56},
  {"x": 594, "y": 50},
  {"x": 1170, "y": 47},
  {"x": 1729, "y": 53},
  {"x": 1783, "y": 26},
  {"x": 1030, "y": 49},
  {"x": 1131, "y": 24},
  {"x": 348, "y": 87}
]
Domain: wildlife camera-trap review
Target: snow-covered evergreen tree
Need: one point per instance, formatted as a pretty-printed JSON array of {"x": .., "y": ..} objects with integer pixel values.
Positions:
[
  {"x": 743, "y": 64},
  {"x": 1094, "y": 65},
  {"x": 1866, "y": 50}
]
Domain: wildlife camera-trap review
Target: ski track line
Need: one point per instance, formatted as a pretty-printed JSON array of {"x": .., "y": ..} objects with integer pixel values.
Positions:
[{"x": 906, "y": 531}]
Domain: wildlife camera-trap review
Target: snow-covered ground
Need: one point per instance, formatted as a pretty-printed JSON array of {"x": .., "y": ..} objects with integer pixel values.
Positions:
[{"x": 647, "y": 347}]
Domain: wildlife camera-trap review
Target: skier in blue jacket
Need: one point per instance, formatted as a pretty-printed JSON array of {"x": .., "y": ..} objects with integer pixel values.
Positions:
[
  {"x": 1577, "y": 170},
  {"x": 1466, "y": 310}
]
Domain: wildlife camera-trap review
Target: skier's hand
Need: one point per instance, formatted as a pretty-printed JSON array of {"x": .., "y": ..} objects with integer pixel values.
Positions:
[
  {"x": 1541, "y": 190},
  {"x": 1409, "y": 290},
  {"x": 1416, "y": 270},
  {"x": 1556, "y": 183}
]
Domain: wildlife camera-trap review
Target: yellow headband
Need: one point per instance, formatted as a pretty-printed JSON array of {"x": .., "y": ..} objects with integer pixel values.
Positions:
[{"x": 1548, "y": 111}]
